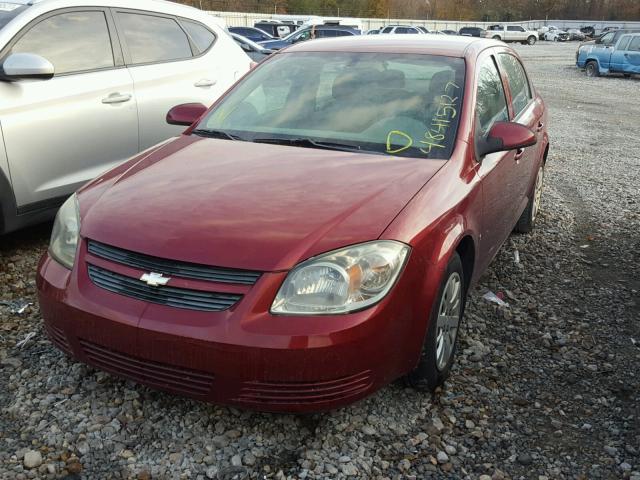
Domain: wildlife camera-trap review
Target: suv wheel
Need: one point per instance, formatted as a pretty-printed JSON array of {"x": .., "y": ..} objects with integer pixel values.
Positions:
[
  {"x": 496, "y": 37},
  {"x": 592, "y": 69},
  {"x": 531, "y": 40}
]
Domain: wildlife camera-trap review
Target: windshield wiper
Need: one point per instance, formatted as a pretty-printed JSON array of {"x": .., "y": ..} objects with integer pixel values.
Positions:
[
  {"x": 203, "y": 132},
  {"x": 308, "y": 143}
]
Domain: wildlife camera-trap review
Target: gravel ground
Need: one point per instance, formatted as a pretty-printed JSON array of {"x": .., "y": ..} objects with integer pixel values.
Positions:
[{"x": 547, "y": 388}]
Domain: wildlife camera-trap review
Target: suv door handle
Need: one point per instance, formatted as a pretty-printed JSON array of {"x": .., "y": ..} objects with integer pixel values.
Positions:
[
  {"x": 116, "y": 98},
  {"x": 204, "y": 83}
]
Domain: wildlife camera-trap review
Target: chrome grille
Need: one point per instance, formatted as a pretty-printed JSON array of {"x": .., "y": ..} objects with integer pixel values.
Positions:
[
  {"x": 171, "y": 296},
  {"x": 172, "y": 267}
]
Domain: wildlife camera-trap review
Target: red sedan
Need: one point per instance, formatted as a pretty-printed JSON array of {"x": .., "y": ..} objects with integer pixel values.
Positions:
[{"x": 313, "y": 235}]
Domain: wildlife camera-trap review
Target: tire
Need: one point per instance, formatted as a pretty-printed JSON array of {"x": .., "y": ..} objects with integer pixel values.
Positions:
[
  {"x": 626, "y": 75},
  {"x": 591, "y": 69},
  {"x": 555, "y": 39},
  {"x": 531, "y": 40},
  {"x": 527, "y": 220},
  {"x": 435, "y": 363},
  {"x": 496, "y": 37}
]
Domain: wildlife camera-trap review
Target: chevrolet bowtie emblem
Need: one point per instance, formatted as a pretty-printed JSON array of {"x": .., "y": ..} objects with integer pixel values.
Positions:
[{"x": 155, "y": 279}]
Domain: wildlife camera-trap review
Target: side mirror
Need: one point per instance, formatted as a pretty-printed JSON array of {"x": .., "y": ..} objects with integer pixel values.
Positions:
[
  {"x": 18, "y": 66},
  {"x": 185, "y": 114},
  {"x": 505, "y": 136}
]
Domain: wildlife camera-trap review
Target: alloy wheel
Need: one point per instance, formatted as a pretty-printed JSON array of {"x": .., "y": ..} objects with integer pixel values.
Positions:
[{"x": 448, "y": 320}]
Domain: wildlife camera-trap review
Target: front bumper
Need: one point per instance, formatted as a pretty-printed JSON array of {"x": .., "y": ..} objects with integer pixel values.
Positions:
[{"x": 242, "y": 356}]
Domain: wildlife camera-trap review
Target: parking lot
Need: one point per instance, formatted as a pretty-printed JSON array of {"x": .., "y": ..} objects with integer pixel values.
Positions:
[{"x": 547, "y": 387}]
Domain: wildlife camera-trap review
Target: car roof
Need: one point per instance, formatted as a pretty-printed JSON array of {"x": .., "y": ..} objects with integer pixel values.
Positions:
[
  {"x": 138, "y": 4},
  {"x": 432, "y": 44}
]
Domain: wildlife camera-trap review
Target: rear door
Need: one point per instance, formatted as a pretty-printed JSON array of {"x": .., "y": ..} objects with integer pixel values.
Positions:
[
  {"x": 62, "y": 132},
  {"x": 515, "y": 33},
  {"x": 173, "y": 61},
  {"x": 632, "y": 56}
]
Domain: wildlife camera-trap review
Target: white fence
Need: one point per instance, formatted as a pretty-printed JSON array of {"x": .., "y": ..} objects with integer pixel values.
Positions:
[{"x": 240, "y": 19}]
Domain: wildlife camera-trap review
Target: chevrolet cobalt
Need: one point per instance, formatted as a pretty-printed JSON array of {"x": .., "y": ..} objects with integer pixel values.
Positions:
[{"x": 312, "y": 236}]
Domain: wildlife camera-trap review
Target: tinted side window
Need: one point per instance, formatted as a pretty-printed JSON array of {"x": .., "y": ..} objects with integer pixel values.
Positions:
[
  {"x": 518, "y": 82},
  {"x": 635, "y": 44},
  {"x": 57, "y": 39},
  {"x": 200, "y": 35},
  {"x": 387, "y": 29},
  {"x": 342, "y": 33},
  {"x": 491, "y": 103},
  {"x": 153, "y": 39}
]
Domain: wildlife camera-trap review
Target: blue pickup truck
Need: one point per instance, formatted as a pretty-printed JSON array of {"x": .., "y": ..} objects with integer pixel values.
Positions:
[{"x": 621, "y": 57}]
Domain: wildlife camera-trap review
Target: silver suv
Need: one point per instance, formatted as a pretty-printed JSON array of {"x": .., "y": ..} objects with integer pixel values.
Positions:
[{"x": 86, "y": 84}]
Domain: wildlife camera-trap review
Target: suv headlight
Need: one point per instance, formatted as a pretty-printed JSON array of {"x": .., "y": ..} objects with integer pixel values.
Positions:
[
  {"x": 66, "y": 229},
  {"x": 342, "y": 281}
]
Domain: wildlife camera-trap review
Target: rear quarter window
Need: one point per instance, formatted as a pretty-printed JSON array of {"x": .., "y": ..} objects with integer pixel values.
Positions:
[{"x": 200, "y": 35}]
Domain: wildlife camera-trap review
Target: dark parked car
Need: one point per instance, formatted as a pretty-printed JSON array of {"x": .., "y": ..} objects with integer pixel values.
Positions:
[
  {"x": 310, "y": 33},
  {"x": 313, "y": 236},
  {"x": 276, "y": 29},
  {"x": 471, "y": 32},
  {"x": 589, "y": 31},
  {"x": 256, "y": 52},
  {"x": 253, "y": 34}
]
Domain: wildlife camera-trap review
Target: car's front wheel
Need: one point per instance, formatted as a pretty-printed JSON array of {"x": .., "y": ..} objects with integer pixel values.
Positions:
[
  {"x": 528, "y": 218},
  {"x": 531, "y": 40},
  {"x": 591, "y": 69},
  {"x": 440, "y": 342}
]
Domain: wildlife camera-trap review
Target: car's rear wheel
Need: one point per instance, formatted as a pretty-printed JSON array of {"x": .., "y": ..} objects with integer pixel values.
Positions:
[
  {"x": 528, "y": 218},
  {"x": 591, "y": 69},
  {"x": 438, "y": 350},
  {"x": 496, "y": 37},
  {"x": 531, "y": 40}
]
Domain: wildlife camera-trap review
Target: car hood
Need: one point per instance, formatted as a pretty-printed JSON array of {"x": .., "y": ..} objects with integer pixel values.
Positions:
[{"x": 246, "y": 205}]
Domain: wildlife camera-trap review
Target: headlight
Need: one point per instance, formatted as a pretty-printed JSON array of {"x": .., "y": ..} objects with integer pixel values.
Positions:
[
  {"x": 66, "y": 229},
  {"x": 343, "y": 280}
]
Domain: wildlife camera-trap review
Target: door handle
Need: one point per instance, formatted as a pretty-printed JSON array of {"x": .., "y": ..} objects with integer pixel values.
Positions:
[
  {"x": 519, "y": 154},
  {"x": 204, "y": 83},
  {"x": 540, "y": 126},
  {"x": 116, "y": 98}
]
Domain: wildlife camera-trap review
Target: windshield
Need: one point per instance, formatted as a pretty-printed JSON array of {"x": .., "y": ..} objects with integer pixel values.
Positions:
[
  {"x": 9, "y": 11},
  {"x": 387, "y": 103}
]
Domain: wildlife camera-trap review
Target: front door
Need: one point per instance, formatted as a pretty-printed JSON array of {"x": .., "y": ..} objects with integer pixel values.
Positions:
[
  {"x": 499, "y": 171},
  {"x": 527, "y": 112},
  {"x": 62, "y": 132}
]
